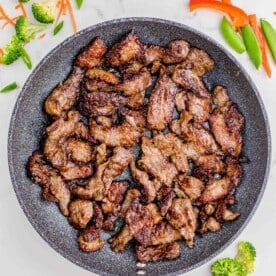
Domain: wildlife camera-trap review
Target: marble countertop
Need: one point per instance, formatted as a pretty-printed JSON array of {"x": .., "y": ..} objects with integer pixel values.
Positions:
[{"x": 22, "y": 250}]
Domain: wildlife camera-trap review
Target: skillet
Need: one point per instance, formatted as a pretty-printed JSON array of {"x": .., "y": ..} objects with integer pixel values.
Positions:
[{"x": 28, "y": 121}]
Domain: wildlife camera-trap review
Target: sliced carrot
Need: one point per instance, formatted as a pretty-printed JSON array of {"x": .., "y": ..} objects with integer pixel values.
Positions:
[
  {"x": 253, "y": 21},
  {"x": 7, "y": 23},
  {"x": 65, "y": 6},
  {"x": 71, "y": 15},
  {"x": 20, "y": 6},
  {"x": 1, "y": 53},
  {"x": 41, "y": 36},
  {"x": 264, "y": 48},
  {"x": 4, "y": 16},
  {"x": 61, "y": 10}
]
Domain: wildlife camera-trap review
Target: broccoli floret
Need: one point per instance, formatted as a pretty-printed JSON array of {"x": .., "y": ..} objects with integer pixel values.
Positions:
[
  {"x": 24, "y": 1},
  {"x": 44, "y": 12},
  {"x": 227, "y": 267},
  {"x": 246, "y": 256},
  {"x": 26, "y": 30},
  {"x": 12, "y": 51}
]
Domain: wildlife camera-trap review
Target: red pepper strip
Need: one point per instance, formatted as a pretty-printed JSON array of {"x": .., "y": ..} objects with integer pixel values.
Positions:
[
  {"x": 264, "y": 48},
  {"x": 240, "y": 18},
  {"x": 227, "y": 1}
]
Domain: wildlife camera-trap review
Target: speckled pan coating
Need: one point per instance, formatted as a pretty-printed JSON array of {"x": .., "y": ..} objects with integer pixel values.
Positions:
[{"x": 28, "y": 122}]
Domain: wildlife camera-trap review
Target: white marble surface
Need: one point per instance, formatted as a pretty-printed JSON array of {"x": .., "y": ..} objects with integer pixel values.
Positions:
[{"x": 22, "y": 250}]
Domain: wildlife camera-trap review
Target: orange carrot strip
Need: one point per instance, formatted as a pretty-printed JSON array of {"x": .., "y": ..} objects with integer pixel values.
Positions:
[
  {"x": 253, "y": 21},
  {"x": 62, "y": 9},
  {"x": 264, "y": 49},
  {"x": 71, "y": 14},
  {"x": 41, "y": 36},
  {"x": 13, "y": 19},
  {"x": 254, "y": 24},
  {"x": 4, "y": 25},
  {"x": 5, "y": 17},
  {"x": 1, "y": 53},
  {"x": 22, "y": 8}
]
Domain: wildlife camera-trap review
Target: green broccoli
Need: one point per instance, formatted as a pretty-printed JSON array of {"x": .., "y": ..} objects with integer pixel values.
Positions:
[
  {"x": 24, "y": 1},
  {"x": 44, "y": 12},
  {"x": 246, "y": 256},
  {"x": 227, "y": 267},
  {"x": 12, "y": 51},
  {"x": 26, "y": 30}
]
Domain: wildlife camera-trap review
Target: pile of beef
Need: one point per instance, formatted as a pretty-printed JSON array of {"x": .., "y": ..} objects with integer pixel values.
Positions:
[{"x": 134, "y": 95}]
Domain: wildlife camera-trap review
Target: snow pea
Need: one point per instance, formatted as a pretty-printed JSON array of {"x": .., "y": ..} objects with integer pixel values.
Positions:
[
  {"x": 270, "y": 36},
  {"x": 252, "y": 45},
  {"x": 231, "y": 36},
  {"x": 26, "y": 58},
  {"x": 9, "y": 87}
]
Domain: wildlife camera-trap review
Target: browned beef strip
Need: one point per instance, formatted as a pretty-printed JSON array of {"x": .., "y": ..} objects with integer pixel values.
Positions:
[
  {"x": 97, "y": 103},
  {"x": 65, "y": 95},
  {"x": 168, "y": 251},
  {"x": 182, "y": 216},
  {"x": 139, "y": 221},
  {"x": 199, "y": 61},
  {"x": 176, "y": 52},
  {"x": 227, "y": 124},
  {"x": 135, "y": 83},
  {"x": 89, "y": 239},
  {"x": 165, "y": 196},
  {"x": 155, "y": 163},
  {"x": 190, "y": 80},
  {"x": 161, "y": 103},
  {"x": 102, "y": 75},
  {"x": 80, "y": 212},
  {"x": 92, "y": 55},
  {"x": 127, "y": 50}
]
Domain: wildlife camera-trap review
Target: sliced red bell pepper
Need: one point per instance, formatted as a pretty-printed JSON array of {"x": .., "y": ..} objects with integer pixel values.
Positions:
[
  {"x": 227, "y": 1},
  {"x": 238, "y": 16}
]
